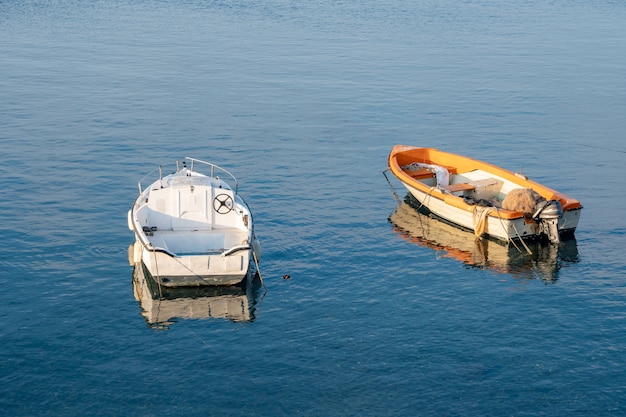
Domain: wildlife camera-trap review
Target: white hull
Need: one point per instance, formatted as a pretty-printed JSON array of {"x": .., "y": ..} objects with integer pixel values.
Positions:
[
  {"x": 495, "y": 227},
  {"x": 190, "y": 270}
]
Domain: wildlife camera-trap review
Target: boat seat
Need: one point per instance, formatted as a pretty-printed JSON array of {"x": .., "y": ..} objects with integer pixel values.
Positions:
[
  {"x": 463, "y": 186},
  {"x": 420, "y": 173},
  {"x": 426, "y": 173},
  {"x": 198, "y": 242},
  {"x": 471, "y": 185}
]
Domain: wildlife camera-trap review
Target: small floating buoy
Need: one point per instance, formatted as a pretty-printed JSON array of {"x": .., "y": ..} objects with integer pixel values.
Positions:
[{"x": 286, "y": 276}]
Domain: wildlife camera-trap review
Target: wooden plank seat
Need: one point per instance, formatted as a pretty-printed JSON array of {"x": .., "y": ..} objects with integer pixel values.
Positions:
[
  {"x": 425, "y": 172},
  {"x": 420, "y": 173},
  {"x": 471, "y": 185},
  {"x": 463, "y": 186}
]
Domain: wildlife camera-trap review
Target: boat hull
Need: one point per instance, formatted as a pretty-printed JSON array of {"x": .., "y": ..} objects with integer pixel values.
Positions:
[
  {"x": 495, "y": 227},
  {"x": 194, "y": 270},
  {"x": 471, "y": 194}
]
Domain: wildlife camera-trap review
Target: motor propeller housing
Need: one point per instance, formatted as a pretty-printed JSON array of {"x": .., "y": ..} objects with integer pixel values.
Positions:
[{"x": 547, "y": 214}]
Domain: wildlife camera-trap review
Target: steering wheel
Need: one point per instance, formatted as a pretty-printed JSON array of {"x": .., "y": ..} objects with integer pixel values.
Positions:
[{"x": 223, "y": 203}]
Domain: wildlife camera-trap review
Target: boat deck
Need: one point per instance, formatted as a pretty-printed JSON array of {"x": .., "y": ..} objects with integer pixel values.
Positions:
[
  {"x": 198, "y": 242},
  {"x": 477, "y": 184}
]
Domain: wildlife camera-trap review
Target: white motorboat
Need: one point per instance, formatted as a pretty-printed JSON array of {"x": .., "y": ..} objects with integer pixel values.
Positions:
[{"x": 194, "y": 229}]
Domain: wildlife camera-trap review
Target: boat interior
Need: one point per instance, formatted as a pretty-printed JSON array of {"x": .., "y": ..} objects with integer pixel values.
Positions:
[
  {"x": 477, "y": 184},
  {"x": 185, "y": 243},
  {"x": 179, "y": 221}
]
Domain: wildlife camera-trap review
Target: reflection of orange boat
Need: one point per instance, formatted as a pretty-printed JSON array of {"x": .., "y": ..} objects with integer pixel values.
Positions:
[{"x": 543, "y": 261}]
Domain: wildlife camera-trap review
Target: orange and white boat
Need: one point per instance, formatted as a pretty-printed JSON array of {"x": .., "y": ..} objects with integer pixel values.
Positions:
[{"x": 482, "y": 197}]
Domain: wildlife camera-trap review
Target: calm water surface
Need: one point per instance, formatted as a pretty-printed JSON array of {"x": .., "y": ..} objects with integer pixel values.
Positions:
[{"x": 384, "y": 314}]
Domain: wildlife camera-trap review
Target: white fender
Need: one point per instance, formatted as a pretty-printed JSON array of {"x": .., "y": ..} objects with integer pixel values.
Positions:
[{"x": 130, "y": 220}]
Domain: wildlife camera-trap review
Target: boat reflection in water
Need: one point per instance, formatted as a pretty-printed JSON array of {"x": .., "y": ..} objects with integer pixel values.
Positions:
[
  {"x": 162, "y": 306},
  {"x": 544, "y": 261}
]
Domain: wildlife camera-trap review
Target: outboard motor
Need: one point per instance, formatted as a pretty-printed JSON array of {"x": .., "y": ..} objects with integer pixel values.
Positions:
[{"x": 547, "y": 214}]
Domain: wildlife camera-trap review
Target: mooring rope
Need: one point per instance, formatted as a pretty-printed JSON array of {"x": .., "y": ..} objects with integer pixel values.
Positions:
[
  {"x": 521, "y": 240},
  {"x": 258, "y": 269},
  {"x": 158, "y": 278},
  {"x": 393, "y": 190}
]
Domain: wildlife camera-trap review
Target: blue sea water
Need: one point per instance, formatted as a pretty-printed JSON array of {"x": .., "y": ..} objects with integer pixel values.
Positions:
[{"x": 303, "y": 102}]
